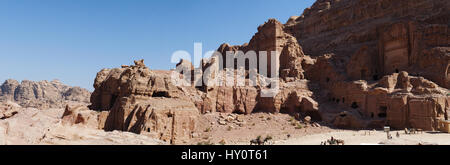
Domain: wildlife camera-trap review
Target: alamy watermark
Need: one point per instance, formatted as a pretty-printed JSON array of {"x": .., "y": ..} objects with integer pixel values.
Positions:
[{"x": 241, "y": 69}]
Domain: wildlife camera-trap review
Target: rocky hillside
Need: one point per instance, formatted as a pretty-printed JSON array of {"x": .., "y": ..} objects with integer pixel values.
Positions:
[
  {"x": 351, "y": 63},
  {"x": 43, "y": 94},
  {"x": 373, "y": 38},
  {"x": 347, "y": 63}
]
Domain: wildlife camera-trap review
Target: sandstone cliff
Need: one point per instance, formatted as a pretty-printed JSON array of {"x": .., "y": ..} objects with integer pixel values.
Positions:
[
  {"x": 352, "y": 63},
  {"x": 348, "y": 48},
  {"x": 376, "y": 38}
]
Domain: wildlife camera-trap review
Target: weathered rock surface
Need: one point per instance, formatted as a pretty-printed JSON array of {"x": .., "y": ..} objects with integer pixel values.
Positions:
[
  {"x": 43, "y": 94},
  {"x": 271, "y": 37},
  {"x": 399, "y": 48},
  {"x": 380, "y": 37},
  {"x": 383, "y": 62},
  {"x": 82, "y": 116},
  {"x": 395, "y": 101},
  {"x": 145, "y": 102},
  {"x": 50, "y": 126},
  {"x": 8, "y": 110},
  {"x": 348, "y": 120}
]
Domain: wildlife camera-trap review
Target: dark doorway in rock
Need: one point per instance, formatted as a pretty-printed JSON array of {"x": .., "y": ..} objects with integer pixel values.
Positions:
[
  {"x": 371, "y": 115},
  {"x": 148, "y": 129},
  {"x": 446, "y": 114},
  {"x": 383, "y": 112},
  {"x": 247, "y": 64},
  {"x": 328, "y": 79},
  {"x": 354, "y": 105},
  {"x": 375, "y": 77},
  {"x": 397, "y": 71},
  {"x": 160, "y": 94}
]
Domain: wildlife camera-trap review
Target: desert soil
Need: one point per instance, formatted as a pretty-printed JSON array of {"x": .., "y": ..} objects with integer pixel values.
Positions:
[
  {"x": 284, "y": 130},
  {"x": 248, "y": 127},
  {"x": 362, "y": 137}
]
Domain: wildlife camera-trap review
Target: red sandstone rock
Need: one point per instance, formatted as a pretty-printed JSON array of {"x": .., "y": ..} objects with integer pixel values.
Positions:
[
  {"x": 390, "y": 34},
  {"x": 378, "y": 60},
  {"x": 144, "y": 101}
]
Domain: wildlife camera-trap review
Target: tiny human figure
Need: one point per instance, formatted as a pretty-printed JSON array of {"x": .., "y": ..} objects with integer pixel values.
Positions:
[{"x": 398, "y": 135}]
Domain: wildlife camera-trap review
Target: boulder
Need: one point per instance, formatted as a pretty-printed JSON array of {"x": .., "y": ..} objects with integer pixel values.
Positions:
[
  {"x": 80, "y": 115},
  {"x": 9, "y": 109}
]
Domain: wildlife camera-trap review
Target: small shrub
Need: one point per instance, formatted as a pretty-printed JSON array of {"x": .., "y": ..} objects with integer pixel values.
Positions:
[
  {"x": 292, "y": 119},
  {"x": 229, "y": 128},
  {"x": 299, "y": 126}
]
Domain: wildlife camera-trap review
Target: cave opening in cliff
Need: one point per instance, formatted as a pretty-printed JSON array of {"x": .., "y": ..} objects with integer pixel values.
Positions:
[
  {"x": 161, "y": 94},
  {"x": 375, "y": 77},
  {"x": 397, "y": 71},
  {"x": 446, "y": 115},
  {"x": 354, "y": 105},
  {"x": 383, "y": 112}
]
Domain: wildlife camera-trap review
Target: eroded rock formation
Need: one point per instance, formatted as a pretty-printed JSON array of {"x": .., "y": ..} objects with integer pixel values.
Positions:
[
  {"x": 43, "y": 94},
  {"x": 376, "y": 38},
  {"x": 357, "y": 56},
  {"x": 8, "y": 110},
  {"x": 381, "y": 63},
  {"x": 145, "y": 102},
  {"x": 375, "y": 41}
]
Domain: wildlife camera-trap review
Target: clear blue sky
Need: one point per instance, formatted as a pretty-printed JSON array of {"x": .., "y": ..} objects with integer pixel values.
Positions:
[{"x": 71, "y": 40}]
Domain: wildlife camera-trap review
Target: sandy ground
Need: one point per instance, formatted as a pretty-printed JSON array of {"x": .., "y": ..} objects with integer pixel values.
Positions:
[
  {"x": 376, "y": 137},
  {"x": 277, "y": 126},
  {"x": 281, "y": 128}
]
